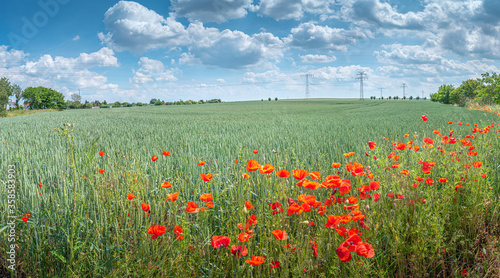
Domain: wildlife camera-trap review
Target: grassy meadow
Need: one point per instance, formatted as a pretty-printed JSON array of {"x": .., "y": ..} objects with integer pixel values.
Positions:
[{"x": 374, "y": 214}]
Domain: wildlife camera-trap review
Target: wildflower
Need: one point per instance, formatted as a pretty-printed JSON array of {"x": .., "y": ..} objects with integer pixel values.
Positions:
[
  {"x": 201, "y": 162},
  {"x": 206, "y": 197},
  {"x": 179, "y": 232},
  {"x": 239, "y": 250},
  {"x": 266, "y": 169},
  {"x": 283, "y": 174},
  {"x": 172, "y": 197},
  {"x": 100, "y": 172},
  {"x": 275, "y": 264},
  {"x": 40, "y": 184},
  {"x": 145, "y": 207},
  {"x": 206, "y": 177},
  {"x": 192, "y": 207},
  {"x": 248, "y": 205},
  {"x": 300, "y": 173},
  {"x": 424, "y": 118},
  {"x": 130, "y": 196},
  {"x": 156, "y": 230},
  {"x": 166, "y": 184},
  {"x": 256, "y": 260},
  {"x": 155, "y": 158},
  {"x": 255, "y": 151},
  {"x": 220, "y": 241},
  {"x": 165, "y": 153},
  {"x": 101, "y": 153},
  {"x": 280, "y": 234},
  {"x": 336, "y": 165},
  {"x": 252, "y": 165},
  {"x": 372, "y": 145}
]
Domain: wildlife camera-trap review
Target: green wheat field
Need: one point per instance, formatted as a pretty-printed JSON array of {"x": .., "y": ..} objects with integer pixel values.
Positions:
[{"x": 92, "y": 188}]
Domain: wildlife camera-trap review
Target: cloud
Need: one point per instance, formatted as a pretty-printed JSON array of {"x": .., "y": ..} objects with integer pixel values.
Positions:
[
  {"x": 311, "y": 36},
  {"x": 58, "y": 71},
  {"x": 76, "y": 38},
  {"x": 136, "y": 28},
  {"x": 12, "y": 57},
  {"x": 310, "y": 58},
  {"x": 378, "y": 14},
  {"x": 415, "y": 60},
  {"x": 152, "y": 71},
  {"x": 294, "y": 9},
  {"x": 211, "y": 11},
  {"x": 343, "y": 73}
]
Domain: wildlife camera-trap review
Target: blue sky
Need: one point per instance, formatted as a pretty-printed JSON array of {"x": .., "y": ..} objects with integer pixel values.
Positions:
[{"x": 246, "y": 49}]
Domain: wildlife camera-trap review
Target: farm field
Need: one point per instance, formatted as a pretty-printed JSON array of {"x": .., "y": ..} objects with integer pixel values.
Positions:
[{"x": 119, "y": 191}]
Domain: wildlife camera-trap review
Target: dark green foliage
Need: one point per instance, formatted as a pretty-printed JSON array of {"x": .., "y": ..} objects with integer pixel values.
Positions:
[{"x": 44, "y": 98}]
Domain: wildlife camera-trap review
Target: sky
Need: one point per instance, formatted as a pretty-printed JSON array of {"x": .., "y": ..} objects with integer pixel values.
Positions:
[{"x": 238, "y": 50}]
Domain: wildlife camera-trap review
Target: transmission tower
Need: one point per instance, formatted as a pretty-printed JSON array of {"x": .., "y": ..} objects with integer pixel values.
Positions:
[
  {"x": 307, "y": 82},
  {"x": 361, "y": 77},
  {"x": 404, "y": 87},
  {"x": 381, "y": 91}
]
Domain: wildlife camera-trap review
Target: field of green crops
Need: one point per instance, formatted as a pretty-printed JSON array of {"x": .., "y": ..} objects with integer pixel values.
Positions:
[{"x": 95, "y": 189}]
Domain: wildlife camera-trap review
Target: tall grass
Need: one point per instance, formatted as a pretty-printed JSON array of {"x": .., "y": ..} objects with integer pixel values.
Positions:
[{"x": 82, "y": 223}]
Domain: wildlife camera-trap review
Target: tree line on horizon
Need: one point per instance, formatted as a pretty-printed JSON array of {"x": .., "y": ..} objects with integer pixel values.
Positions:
[
  {"x": 47, "y": 98},
  {"x": 484, "y": 91}
]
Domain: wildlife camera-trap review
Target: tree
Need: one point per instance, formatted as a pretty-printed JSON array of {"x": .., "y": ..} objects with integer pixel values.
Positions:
[
  {"x": 41, "y": 97},
  {"x": 18, "y": 93},
  {"x": 5, "y": 93},
  {"x": 276, "y": 98},
  {"x": 443, "y": 94}
]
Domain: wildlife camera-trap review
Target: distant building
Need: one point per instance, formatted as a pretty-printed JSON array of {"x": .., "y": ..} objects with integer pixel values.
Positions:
[{"x": 95, "y": 107}]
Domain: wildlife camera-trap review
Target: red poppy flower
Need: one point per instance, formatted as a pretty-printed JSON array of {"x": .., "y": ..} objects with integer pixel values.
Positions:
[
  {"x": 252, "y": 220},
  {"x": 201, "y": 162},
  {"x": 376, "y": 197},
  {"x": 192, "y": 207},
  {"x": 145, "y": 207},
  {"x": 210, "y": 204},
  {"x": 248, "y": 205},
  {"x": 477, "y": 164},
  {"x": 283, "y": 174},
  {"x": 255, "y": 151},
  {"x": 399, "y": 196},
  {"x": 243, "y": 237},
  {"x": 206, "y": 177},
  {"x": 155, "y": 158},
  {"x": 372, "y": 145},
  {"x": 206, "y": 197},
  {"x": 101, "y": 153},
  {"x": 424, "y": 118},
  {"x": 40, "y": 184},
  {"x": 156, "y": 230},
  {"x": 374, "y": 185},
  {"x": 279, "y": 234},
  {"x": 252, "y": 165},
  {"x": 239, "y": 250},
  {"x": 464, "y": 272},
  {"x": 390, "y": 194},
  {"x": 165, "y": 153},
  {"x": 443, "y": 180},
  {"x": 256, "y": 260},
  {"x": 246, "y": 176},
  {"x": 450, "y": 123},
  {"x": 405, "y": 172},
  {"x": 235, "y": 161},
  {"x": 300, "y": 173},
  {"x": 25, "y": 219},
  {"x": 336, "y": 165},
  {"x": 172, "y": 197},
  {"x": 100, "y": 172},
  {"x": 266, "y": 169},
  {"x": 166, "y": 184},
  {"x": 275, "y": 264},
  {"x": 343, "y": 253},
  {"x": 130, "y": 196},
  {"x": 179, "y": 232},
  {"x": 220, "y": 241},
  {"x": 429, "y": 181}
]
